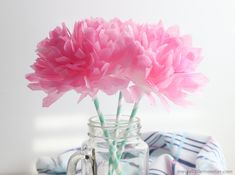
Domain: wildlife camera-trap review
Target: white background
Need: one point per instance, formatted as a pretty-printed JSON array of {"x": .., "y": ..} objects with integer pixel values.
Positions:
[{"x": 28, "y": 131}]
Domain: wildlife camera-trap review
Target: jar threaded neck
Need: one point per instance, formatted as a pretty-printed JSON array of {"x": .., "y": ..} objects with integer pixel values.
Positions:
[{"x": 117, "y": 130}]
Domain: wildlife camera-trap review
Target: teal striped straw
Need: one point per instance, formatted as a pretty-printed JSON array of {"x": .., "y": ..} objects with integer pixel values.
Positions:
[
  {"x": 118, "y": 114},
  {"x": 113, "y": 160},
  {"x": 133, "y": 114},
  {"x": 119, "y": 106},
  {"x": 116, "y": 126}
]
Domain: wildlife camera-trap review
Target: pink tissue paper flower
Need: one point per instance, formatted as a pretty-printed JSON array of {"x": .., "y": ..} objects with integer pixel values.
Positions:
[{"x": 112, "y": 56}]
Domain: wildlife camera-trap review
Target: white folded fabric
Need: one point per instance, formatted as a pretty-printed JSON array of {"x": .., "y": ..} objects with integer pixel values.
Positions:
[{"x": 170, "y": 154}]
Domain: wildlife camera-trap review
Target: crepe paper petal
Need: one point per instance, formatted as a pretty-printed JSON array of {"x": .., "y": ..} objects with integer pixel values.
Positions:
[
  {"x": 132, "y": 95},
  {"x": 114, "y": 84},
  {"x": 82, "y": 96},
  {"x": 51, "y": 98},
  {"x": 35, "y": 86},
  {"x": 151, "y": 98},
  {"x": 173, "y": 31}
]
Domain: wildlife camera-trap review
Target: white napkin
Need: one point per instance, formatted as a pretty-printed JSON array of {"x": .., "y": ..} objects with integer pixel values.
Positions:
[{"x": 170, "y": 154}]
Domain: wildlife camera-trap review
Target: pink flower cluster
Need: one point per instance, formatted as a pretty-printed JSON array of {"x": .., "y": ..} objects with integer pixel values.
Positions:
[{"x": 111, "y": 56}]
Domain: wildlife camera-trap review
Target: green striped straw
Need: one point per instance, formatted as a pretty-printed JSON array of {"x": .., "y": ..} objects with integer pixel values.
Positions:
[
  {"x": 119, "y": 106},
  {"x": 116, "y": 126},
  {"x": 114, "y": 161},
  {"x": 133, "y": 114},
  {"x": 118, "y": 114}
]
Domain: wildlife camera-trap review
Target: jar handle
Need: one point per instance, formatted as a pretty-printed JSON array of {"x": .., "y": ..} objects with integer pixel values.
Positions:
[{"x": 76, "y": 157}]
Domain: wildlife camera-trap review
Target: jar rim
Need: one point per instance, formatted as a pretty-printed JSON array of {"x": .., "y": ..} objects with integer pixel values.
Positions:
[{"x": 110, "y": 121}]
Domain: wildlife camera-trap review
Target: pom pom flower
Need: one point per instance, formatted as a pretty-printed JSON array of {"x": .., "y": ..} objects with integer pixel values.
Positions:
[{"x": 112, "y": 56}]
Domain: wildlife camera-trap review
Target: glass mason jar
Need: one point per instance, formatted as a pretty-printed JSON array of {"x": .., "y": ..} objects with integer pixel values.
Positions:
[{"x": 123, "y": 152}]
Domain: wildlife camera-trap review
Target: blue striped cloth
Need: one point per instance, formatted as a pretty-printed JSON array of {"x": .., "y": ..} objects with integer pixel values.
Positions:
[{"x": 170, "y": 154}]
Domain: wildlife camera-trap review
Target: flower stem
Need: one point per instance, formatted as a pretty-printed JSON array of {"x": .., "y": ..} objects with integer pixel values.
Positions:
[
  {"x": 123, "y": 143},
  {"x": 116, "y": 127},
  {"x": 117, "y": 115},
  {"x": 112, "y": 159}
]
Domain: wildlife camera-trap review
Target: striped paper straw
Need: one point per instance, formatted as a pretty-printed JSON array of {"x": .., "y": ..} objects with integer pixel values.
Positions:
[
  {"x": 106, "y": 134},
  {"x": 133, "y": 114},
  {"x": 116, "y": 126}
]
